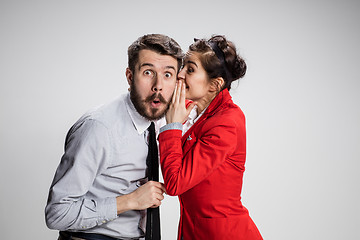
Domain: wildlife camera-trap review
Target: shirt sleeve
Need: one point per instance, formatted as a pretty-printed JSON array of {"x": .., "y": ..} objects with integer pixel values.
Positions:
[
  {"x": 183, "y": 170},
  {"x": 87, "y": 153}
]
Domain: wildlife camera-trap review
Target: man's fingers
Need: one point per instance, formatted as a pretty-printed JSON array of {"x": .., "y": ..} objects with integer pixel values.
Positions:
[
  {"x": 162, "y": 186},
  {"x": 156, "y": 205},
  {"x": 157, "y": 200},
  {"x": 160, "y": 197},
  {"x": 159, "y": 186}
]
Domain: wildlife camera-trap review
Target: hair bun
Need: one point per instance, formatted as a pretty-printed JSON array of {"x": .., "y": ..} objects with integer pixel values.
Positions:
[{"x": 239, "y": 68}]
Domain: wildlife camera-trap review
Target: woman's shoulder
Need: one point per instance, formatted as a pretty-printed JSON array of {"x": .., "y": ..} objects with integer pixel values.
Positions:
[
  {"x": 230, "y": 111},
  {"x": 229, "y": 116}
]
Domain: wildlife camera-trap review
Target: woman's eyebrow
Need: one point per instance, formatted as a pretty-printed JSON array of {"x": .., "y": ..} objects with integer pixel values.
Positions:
[{"x": 188, "y": 61}]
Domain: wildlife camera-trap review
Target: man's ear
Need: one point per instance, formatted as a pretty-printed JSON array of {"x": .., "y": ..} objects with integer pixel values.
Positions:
[
  {"x": 129, "y": 76},
  {"x": 217, "y": 84}
]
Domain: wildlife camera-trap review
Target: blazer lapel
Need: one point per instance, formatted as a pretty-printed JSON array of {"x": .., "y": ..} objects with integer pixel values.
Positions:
[{"x": 189, "y": 138}]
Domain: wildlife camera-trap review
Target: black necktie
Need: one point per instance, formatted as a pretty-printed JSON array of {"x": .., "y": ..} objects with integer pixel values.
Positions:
[{"x": 152, "y": 162}]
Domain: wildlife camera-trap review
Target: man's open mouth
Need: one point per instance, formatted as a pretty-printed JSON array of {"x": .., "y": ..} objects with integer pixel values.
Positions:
[{"x": 156, "y": 100}]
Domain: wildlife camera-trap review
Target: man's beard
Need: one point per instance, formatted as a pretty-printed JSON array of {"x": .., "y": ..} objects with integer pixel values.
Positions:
[{"x": 140, "y": 105}]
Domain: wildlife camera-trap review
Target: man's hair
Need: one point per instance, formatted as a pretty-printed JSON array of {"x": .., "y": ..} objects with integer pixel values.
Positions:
[{"x": 159, "y": 43}]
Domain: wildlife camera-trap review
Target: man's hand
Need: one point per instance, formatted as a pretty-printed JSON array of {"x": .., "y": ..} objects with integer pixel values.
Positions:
[{"x": 148, "y": 195}]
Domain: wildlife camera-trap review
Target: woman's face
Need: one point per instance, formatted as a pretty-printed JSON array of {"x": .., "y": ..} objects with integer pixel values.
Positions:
[{"x": 195, "y": 77}]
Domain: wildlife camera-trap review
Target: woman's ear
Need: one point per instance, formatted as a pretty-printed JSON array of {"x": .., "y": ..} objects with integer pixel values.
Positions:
[{"x": 217, "y": 84}]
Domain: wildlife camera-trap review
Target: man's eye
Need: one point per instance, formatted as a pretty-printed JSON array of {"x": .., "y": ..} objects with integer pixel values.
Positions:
[
  {"x": 148, "y": 73},
  {"x": 168, "y": 75}
]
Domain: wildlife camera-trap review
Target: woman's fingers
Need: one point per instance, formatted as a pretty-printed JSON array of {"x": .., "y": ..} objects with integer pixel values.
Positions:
[
  {"x": 182, "y": 94},
  {"x": 174, "y": 94},
  {"x": 178, "y": 91},
  {"x": 177, "y": 111},
  {"x": 190, "y": 107}
]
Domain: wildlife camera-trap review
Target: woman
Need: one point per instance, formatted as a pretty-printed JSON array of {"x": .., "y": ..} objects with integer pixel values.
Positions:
[{"x": 203, "y": 159}]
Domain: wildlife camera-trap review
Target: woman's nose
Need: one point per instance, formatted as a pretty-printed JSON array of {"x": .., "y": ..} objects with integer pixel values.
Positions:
[{"x": 181, "y": 74}]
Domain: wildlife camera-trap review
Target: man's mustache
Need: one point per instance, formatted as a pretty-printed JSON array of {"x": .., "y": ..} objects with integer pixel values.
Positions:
[{"x": 156, "y": 95}]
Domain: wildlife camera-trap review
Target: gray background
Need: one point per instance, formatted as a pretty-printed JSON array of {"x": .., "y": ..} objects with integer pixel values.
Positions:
[{"x": 300, "y": 96}]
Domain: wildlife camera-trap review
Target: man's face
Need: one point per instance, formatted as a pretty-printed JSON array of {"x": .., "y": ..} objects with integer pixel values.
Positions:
[{"x": 152, "y": 83}]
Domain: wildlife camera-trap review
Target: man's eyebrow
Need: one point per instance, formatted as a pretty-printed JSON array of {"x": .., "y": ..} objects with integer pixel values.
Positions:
[
  {"x": 145, "y": 64},
  {"x": 152, "y": 65},
  {"x": 171, "y": 67}
]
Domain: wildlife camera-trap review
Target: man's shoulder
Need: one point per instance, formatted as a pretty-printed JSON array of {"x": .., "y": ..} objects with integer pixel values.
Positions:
[{"x": 109, "y": 113}]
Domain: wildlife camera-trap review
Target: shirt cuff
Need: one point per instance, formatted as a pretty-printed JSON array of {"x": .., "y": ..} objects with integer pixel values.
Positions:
[
  {"x": 107, "y": 211},
  {"x": 171, "y": 126}
]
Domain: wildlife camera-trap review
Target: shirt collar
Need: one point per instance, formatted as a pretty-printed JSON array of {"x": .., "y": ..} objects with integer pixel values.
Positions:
[
  {"x": 193, "y": 115},
  {"x": 140, "y": 123}
]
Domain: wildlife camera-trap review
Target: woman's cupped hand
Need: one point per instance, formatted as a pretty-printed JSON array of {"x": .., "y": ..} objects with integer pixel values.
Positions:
[{"x": 177, "y": 110}]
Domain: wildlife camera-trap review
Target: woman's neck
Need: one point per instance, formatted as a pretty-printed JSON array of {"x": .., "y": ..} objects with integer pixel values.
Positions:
[{"x": 205, "y": 102}]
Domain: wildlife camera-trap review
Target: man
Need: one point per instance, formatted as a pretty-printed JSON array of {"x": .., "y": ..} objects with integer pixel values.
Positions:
[{"x": 100, "y": 189}]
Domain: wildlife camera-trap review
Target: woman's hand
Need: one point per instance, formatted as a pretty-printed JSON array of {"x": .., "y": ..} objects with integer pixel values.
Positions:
[{"x": 177, "y": 110}]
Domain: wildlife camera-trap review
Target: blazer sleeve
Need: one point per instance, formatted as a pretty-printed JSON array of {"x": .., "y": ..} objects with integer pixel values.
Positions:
[{"x": 183, "y": 171}]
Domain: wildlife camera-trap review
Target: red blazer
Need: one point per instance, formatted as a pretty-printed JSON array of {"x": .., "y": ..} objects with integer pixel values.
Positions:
[{"x": 205, "y": 168}]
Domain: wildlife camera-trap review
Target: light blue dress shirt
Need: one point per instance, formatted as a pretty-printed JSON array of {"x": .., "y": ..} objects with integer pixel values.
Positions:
[{"x": 105, "y": 156}]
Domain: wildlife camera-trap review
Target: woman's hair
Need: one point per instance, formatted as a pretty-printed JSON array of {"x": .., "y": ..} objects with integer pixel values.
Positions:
[
  {"x": 159, "y": 43},
  {"x": 220, "y": 59}
]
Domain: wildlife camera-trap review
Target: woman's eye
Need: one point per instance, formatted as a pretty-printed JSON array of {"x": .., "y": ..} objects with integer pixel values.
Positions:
[{"x": 190, "y": 70}]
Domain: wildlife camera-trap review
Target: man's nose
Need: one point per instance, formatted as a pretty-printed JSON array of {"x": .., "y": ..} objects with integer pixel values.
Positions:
[{"x": 158, "y": 84}]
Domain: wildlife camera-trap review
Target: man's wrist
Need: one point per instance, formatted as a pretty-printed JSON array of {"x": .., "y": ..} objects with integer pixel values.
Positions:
[{"x": 124, "y": 203}]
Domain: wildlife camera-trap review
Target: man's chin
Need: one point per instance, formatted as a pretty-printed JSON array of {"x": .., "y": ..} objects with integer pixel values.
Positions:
[
  {"x": 155, "y": 114},
  {"x": 153, "y": 117}
]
